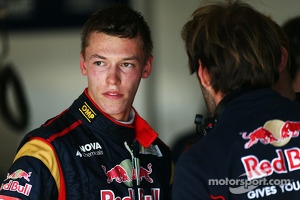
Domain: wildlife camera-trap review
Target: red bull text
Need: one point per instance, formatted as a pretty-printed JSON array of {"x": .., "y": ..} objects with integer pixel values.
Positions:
[
  {"x": 258, "y": 169},
  {"x": 14, "y": 185},
  {"x": 109, "y": 195}
]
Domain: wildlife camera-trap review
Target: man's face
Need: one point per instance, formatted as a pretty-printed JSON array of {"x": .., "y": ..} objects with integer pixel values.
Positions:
[{"x": 114, "y": 67}]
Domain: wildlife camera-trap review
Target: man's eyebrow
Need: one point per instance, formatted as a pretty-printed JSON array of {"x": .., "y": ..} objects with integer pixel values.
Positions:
[
  {"x": 132, "y": 58},
  {"x": 97, "y": 56},
  {"x": 124, "y": 59}
]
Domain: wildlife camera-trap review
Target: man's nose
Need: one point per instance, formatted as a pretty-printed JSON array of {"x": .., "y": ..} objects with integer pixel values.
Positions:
[{"x": 113, "y": 76}]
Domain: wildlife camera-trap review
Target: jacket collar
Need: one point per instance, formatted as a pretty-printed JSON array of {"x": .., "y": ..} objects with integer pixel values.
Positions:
[{"x": 91, "y": 115}]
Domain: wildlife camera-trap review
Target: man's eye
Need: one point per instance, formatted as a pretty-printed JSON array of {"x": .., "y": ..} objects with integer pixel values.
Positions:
[
  {"x": 99, "y": 63},
  {"x": 127, "y": 65}
]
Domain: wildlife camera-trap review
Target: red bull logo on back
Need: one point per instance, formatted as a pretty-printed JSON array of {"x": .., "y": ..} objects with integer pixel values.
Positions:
[{"x": 274, "y": 132}]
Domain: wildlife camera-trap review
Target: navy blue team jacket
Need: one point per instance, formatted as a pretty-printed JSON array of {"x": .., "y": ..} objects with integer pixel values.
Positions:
[
  {"x": 253, "y": 152},
  {"x": 84, "y": 154}
]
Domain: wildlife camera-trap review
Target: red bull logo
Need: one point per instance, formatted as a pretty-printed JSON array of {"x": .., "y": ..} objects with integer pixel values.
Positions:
[
  {"x": 144, "y": 174},
  {"x": 117, "y": 173},
  {"x": 18, "y": 175},
  {"x": 14, "y": 185},
  {"x": 275, "y": 132},
  {"x": 120, "y": 174},
  {"x": 290, "y": 129},
  {"x": 260, "y": 134}
]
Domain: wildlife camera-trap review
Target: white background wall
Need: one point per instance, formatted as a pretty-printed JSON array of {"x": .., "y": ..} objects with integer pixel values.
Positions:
[{"x": 48, "y": 65}]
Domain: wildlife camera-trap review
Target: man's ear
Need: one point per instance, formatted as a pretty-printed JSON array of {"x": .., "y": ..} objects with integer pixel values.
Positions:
[
  {"x": 82, "y": 65},
  {"x": 284, "y": 59},
  {"x": 147, "y": 68},
  {"x": 203, "y": 75}
]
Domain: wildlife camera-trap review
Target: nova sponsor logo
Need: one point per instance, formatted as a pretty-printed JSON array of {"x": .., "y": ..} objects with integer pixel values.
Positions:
[
  {"x": 89, "y": 149},
  {"x": 90, "y": 146},
  {"x": 87, "y": 112}
]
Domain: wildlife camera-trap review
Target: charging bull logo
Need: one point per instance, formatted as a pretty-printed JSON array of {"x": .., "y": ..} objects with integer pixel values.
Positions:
[
  {"x": 274, "y": 132},
  {"x": 125, "y": 173},
  {"x": 144, "y": 173},
  {"x": 117, "y": 173},
  {"x": 18, "y": 175},
  {"x": 16, "y": 185}
]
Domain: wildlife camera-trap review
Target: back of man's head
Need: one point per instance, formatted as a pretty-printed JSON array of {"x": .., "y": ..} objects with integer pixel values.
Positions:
[{"x": 237, "y": 44}]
